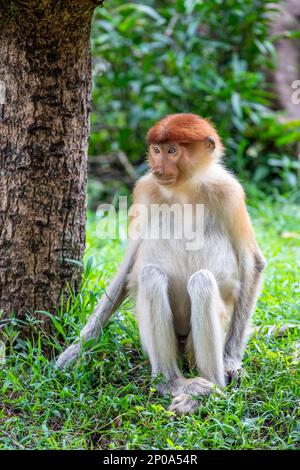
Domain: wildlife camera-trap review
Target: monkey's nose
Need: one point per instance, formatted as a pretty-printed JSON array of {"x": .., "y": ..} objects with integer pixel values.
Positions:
[{"x": 158, "y": 172}]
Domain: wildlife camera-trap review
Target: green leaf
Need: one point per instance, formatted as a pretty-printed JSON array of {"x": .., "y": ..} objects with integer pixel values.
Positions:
[
  {"x": 288, "y": 138},
  {"x": 236, "y": 104}
]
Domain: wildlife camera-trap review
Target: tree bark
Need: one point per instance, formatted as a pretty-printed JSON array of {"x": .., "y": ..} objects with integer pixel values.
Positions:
[{"x": 46, "y": 70}]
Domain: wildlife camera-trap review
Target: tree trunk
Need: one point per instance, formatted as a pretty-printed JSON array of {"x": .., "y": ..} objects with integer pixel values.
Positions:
[{"x": 46, "y": 70}]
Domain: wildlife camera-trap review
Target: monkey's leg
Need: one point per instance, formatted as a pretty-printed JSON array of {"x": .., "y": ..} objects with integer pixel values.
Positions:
[
  {"x": 207, "y": 331},
  {"x": 156, "y": 324},
  {"x": 207, "y": 342},
  {"x": 159, "y": 340},
  {"x": 251, "y": 268}
]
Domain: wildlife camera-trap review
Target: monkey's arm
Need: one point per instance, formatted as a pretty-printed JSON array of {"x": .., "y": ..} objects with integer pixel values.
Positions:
[
  {"x": 109, "y": 302},
  {"x": 251, "y": 265}
]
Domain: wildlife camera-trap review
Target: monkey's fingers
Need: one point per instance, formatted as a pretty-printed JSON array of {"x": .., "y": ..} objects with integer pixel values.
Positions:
[
  {"x": 189, "y": 392},
  {"x": 234, "y": 376},
  {"x": 184, "y": 404}
]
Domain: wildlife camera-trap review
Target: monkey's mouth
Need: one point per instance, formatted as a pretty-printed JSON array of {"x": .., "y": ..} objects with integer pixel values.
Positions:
[{"x": 165, "y": 181}]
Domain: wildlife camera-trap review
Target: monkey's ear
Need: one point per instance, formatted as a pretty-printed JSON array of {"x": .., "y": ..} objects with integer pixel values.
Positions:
[{"x": 210, "y": 143}]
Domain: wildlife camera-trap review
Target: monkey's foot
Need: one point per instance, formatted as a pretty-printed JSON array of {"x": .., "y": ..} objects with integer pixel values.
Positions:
[
  {"x": 197, "y": 386},
  {"x": 184, "y": 404},
  {"x": 187, "y": 393}
]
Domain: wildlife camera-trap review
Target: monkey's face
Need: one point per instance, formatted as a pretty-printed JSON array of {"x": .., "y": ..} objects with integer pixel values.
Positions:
[
  {"x": 167, "y": 162},
  {"x": 172, "y": 163}
]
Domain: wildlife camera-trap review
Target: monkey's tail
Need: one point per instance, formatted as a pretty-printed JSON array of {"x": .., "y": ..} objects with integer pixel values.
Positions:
[{"x": 113, "y": 297}]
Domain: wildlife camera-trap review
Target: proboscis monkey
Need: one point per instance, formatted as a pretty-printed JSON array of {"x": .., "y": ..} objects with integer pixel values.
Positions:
[{"x": 189, "y": 302}]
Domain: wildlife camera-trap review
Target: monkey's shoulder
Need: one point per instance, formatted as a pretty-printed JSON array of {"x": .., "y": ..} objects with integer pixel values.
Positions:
[
  {"x": 217, "y": 188},
  {"x": 221, "y": 189},
  {"x": 146, "y": 191}
]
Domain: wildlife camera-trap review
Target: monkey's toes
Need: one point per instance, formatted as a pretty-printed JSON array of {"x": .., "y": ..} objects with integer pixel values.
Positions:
[
  {"x": 184, "y": 404},
  {"x": 234, "y": 376},
  {"x": 197, "y": 386}
]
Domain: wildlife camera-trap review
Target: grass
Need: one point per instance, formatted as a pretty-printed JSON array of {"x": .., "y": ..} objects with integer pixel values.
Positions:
[{"x": 107, "y": 402}]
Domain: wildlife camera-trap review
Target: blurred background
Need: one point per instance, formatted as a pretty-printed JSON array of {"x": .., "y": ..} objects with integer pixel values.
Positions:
[{"x": 235, "y": 62}]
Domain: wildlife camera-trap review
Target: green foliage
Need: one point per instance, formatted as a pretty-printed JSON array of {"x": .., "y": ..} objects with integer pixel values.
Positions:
[
  {"x": 207, "y": 57},
  {"x": 105, "y": 401}
]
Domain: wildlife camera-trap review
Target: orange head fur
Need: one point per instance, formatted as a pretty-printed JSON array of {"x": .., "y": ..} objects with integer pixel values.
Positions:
[{"x": 181, "y": 144}]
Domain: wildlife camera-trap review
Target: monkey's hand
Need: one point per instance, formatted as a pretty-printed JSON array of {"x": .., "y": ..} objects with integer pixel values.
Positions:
[{"x": 233, "y": 370}]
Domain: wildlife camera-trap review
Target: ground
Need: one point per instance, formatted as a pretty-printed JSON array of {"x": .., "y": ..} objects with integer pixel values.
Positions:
[{"x": 107, "y": 402}]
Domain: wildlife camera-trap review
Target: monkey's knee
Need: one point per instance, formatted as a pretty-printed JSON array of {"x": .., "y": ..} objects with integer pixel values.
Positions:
[
  {"x": 152, "y": 276},
  {"x": 203, "y": 284}
]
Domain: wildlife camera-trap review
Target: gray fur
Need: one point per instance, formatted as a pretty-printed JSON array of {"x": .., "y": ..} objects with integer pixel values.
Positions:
[
  {"x": 207, "y": 334},
  {"x": 109, "y": 302},
  {"x": 251, "y": 268}
]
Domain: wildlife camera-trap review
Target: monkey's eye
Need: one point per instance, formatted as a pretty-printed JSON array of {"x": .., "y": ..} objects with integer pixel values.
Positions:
[
  {"x": 156, "y": 150},
  {"x": 172, "y": 150}
]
